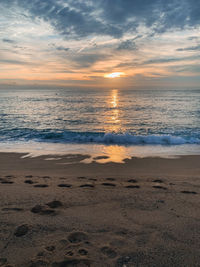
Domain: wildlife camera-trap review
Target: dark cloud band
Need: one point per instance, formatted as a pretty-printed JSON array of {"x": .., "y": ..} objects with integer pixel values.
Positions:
[{"x": 78, "y": 19}]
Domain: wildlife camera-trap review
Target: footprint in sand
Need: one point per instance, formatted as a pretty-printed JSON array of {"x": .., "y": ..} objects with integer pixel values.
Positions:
[
  {"x": 12, "y": 209},
  {"x": 29, "y": 182},
  {"x": 109, "y": 252},
  {"x": 108, "y": 184},
  {"x": 4, "y": 181},
  {"x": 87, "y": 186},
  {"x": 21, "y": 230},
  {"x": 41, "y": 185},
  {"x": 159, "y": 187},
  {"x": 48, "y": 208},
  {"x": 54, "y": 204},
  {"x": 158, "y": 181},
  {"x": 42, "y": 210},
  {"x": 65, "y": 185},
  {"x": 132, "y": 181},
  {"x": 77, "y": 237},
  {"x": 110, "y": 179},
  {"x": 82, "y": 251},
  {"x": 50, "y": 248},
  {"x": 70, "y": 253},
  {"x": 189, "y": 192},
  {"x": 132, "y": 186}
]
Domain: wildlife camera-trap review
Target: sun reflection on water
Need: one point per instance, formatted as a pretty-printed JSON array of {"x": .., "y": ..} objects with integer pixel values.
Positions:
[
  {"x": 113, "y": 116},
  {"x": 114, "y": 101},
  {"x": 114, "y": 153}
]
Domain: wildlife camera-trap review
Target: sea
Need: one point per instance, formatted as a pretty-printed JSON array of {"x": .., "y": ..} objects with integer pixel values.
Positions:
[{"x": 109, "y": 124}]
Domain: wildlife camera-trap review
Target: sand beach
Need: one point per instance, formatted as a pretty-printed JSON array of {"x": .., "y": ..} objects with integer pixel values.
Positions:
[{"x": 62, "y": 212}]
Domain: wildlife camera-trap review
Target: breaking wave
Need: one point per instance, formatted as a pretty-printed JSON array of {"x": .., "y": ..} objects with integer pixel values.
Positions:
[{"x": 94, "y": 137}]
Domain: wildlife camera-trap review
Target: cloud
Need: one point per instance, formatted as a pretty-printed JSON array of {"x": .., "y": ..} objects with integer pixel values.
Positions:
[
  {"x": 191, "y": 38},
  {"x": 195, "y": 69},
  {"x": 8, "y": 41},
  {"x": 168, "y": 60},
  {"x": 78, "y": 19},
  {"x": 127, "y": 45},
  {"x": 190, "y": 48},
  {"x": 162, "y": 60},
  {"x": 88, "y": 60},
  {"x": 137, "y": 37},
  {"x": 120, "y": 11},
  {"x": 61, "y": 48},
  {"x": 68, "y": 20},
  {"x": 158, "y": 15},
  {"x": 14, "y": 62}
]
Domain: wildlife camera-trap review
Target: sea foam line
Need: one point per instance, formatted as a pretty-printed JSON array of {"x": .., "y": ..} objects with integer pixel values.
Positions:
[{"x": 53, "y": 136}]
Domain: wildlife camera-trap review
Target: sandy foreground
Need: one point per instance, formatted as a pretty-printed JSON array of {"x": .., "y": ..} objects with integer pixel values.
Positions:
[{"x": 61, "y": 212}]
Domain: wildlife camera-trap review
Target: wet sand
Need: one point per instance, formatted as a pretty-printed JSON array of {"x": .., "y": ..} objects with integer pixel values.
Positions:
[{"x": 62, "y": 212}]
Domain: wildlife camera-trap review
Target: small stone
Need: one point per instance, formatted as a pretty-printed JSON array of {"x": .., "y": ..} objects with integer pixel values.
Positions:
[{"x": 111, "y": 253}]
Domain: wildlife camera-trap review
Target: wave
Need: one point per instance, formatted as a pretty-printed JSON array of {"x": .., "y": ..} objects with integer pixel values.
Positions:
[{"x": 59, "y": 136}]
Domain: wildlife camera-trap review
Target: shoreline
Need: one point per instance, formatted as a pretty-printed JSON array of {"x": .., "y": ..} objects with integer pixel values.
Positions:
[
  {"x": 144, "y": 212},
  {"x": 99, "y": 152},
  {"x": 73, "y": 164}
]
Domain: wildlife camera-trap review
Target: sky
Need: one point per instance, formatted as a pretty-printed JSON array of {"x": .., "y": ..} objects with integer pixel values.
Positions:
[{"x": 100, "y": 43}]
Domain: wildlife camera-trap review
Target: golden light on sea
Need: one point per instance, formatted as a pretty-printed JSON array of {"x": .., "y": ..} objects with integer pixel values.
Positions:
[
  {"x": 114, "y": 98},
  {"x": 114, "y": 75}
]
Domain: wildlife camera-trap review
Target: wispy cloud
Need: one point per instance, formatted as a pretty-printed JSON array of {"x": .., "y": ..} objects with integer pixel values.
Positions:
[
  {"x": 190, "y": 48},
  {"x": 61, "y": 48},
  {"x": 8, "y": 41}
]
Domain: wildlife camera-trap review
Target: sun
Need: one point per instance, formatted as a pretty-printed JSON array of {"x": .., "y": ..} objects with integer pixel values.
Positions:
[{"x": 114, "y": 75}]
